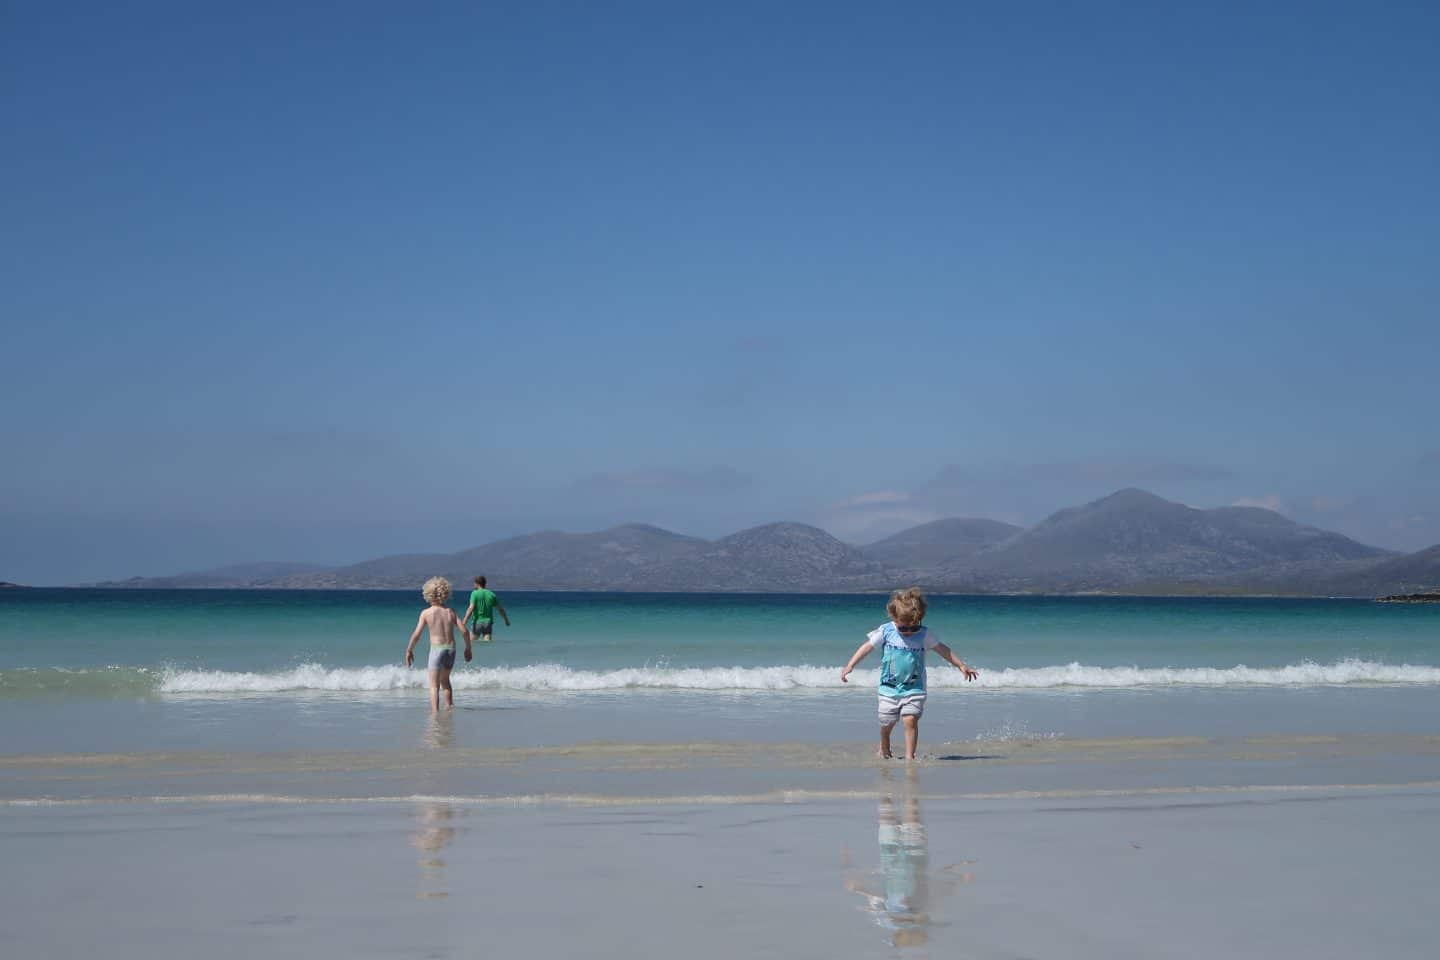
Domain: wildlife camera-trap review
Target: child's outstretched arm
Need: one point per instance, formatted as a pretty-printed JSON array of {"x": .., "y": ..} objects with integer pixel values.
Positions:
[
  {"x": 861, "y": 652},
  {"x": 414, "y": 639},
  {"x": 949, "y": 654}
]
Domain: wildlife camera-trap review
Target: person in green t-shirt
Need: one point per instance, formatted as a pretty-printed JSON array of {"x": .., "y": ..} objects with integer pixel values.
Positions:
[{"x": 481, "y": 612}]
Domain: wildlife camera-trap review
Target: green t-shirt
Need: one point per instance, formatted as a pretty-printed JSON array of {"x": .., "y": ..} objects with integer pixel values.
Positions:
[{"x": 484, "y": 603}]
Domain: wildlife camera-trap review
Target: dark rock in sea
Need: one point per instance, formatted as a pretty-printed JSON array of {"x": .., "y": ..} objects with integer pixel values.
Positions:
[{"x": 1411, "y": 598}]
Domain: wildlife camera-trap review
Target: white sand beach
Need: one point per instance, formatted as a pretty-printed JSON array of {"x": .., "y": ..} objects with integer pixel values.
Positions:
[{"x": 1183, "y": 847}]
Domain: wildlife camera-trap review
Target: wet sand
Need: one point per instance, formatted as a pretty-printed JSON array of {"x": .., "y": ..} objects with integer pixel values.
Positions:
[
  {"x": 1262, "y": 846},
  {"x": 614, "y": 773}
]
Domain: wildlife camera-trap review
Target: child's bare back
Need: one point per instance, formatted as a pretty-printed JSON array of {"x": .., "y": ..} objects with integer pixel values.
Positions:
[
  {"x": 439, "y": 621},
  {"x": 441, "y": 624}
]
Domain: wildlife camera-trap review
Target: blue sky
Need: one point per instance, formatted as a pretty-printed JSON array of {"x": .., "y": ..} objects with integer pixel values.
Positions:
[{"x": 354, "y": 279}]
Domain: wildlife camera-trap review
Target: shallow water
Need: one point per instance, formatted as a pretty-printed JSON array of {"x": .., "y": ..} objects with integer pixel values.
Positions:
[{"x": 272, "y": 670}]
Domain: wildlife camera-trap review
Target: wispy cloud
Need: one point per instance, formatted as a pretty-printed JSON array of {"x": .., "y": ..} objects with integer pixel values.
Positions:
[
  {"x": 1415, "y": 521},
  {"x": 1114, "y": 471},
  {"x": 1019, "y": 493},
  {"x": 873, "y": 498},
  {"x": 1024, "y": 492},
  {"x": 1267, "y": 502},
  {"x": 1401, "y": 517},
  {"x": 672, "y": 480},
  {"x": 874, "y": 523}
]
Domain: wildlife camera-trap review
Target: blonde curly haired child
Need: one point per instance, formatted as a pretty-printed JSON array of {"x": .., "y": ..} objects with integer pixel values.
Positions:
[
  {"x": 904, "y": 641},
  {"x": 441, "y": 621}
]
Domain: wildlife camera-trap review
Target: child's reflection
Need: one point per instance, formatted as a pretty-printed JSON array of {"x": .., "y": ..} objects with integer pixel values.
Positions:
[
  {"x": 435, "y": 817},
  {"x": 432, "y": 836},
  {"x": 906, "y": 883},
  {"x": 439, "y": 731}
]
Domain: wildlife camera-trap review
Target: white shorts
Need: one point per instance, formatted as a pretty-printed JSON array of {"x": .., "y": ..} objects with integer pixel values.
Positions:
[
  {"x": 893, "y": 708},
  {"x": 442, "y": 658}
]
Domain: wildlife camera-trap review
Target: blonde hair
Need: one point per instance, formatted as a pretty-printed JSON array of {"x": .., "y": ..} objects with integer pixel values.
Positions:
[
  {"x": 436, "y": 590},
  {"x": 907, "y": 607}
]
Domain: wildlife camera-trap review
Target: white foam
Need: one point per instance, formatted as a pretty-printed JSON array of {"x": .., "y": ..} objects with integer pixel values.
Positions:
[
  {"x": 1306, "y": 674},
  {"x": 768, "y": 797},
  {"x": 554, "y": 677}
]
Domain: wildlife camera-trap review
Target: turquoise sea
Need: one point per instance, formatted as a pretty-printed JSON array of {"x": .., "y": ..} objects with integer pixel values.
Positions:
[
  {"x": 120, "y": 642},
  {"x": 138, "y": 670},
  {"x": 266, "y": 760}
]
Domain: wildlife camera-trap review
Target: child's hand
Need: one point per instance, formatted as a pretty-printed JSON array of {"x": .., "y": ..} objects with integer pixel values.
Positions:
[
  {"x": 468, "y": 653},
  {"x": 969, "y": 674},
  {"x": 409, "y": 658},
  {"x": 844, "y": 674}
]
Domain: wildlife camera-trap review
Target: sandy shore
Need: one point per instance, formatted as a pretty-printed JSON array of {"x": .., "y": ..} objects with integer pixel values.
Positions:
[
  {"x": 616, "y": 773},
  {"x": 1317, "y": 846}
]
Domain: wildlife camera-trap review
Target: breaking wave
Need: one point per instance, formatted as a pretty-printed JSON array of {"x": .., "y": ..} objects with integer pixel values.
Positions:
[{"x": 543, "y": 678}]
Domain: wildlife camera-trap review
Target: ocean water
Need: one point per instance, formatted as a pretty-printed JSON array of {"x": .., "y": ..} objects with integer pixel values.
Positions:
[
  {"x": 90, "y": 670},
  {"x": 127, "y": 643},
  {"x": 697, "y": 754}
]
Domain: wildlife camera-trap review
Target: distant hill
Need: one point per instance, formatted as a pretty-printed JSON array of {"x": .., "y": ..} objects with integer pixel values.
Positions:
[
  {"x": 1133, "y": 538},
  {"x": 1412, "y": 573},
  {"x": 582, "y": 559},
  {"x": 378, "y": 574},
  {"x": 549, "y": 560},
  {"x": 1129, "y": 542},
  {"x": 939, "y": 542},
  {"x": 780, "y": 557},
  {"x": 237, "y": 575},
  {"x": 262, "y": 570}
]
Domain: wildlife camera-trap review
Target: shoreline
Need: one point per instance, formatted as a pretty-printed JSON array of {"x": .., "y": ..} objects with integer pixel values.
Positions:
[
  {"x": 613, "y": 773},
  {"x": 121, "y": 587}
]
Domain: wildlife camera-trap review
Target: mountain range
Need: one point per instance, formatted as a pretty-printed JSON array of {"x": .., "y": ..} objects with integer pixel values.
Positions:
[{"x": 1131, "y": 542}]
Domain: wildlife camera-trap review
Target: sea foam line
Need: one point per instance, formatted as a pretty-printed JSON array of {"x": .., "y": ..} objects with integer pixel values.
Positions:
[
  {"x": 540, "y": 678},
  {"x": 794, "y": 796}
]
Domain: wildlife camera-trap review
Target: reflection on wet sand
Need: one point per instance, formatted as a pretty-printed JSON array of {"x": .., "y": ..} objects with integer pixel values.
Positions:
[
  {"x": 435, "y": 817},
  {"x": 433, "y": 835},
  {"x": 440, "y": 731},
  {"x": 900, "y": 893}
]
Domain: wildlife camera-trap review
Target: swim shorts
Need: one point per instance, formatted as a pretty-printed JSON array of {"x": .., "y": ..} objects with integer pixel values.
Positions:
[
  {"x": 483, "y": 628},
  {"x": 442, "y": 658},
  {"x": 893, "y": 708}
]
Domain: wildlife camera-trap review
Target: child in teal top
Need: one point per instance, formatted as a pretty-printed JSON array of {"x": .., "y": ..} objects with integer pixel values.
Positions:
[{"x": 904, "y": 641}]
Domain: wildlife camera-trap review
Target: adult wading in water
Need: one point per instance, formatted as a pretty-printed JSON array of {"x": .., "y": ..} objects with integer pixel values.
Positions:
[{"x": 480, "y": 615}]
